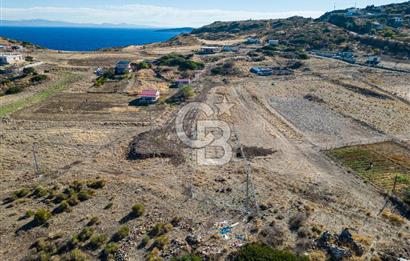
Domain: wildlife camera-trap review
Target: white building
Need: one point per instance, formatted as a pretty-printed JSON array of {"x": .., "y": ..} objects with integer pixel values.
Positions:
[
  {"x": 10, "y": 59},
  {"x": 353, "y": 12},
  {"x": 273, "y": 42}
]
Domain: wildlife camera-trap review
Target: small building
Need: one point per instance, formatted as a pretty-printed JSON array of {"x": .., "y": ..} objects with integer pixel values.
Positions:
[
  {"x": 378, "y": 26},
  {"x": 373, "y": 60},
  {"x": 17, "y": 48},
  {"x": 252, "y": 41},
  {"x": 397, "y": 21},
  {"x": 262, "y": 71},
  {"x": 209, "y": 49},
  {"x": 181, "y": 82},
  {"x": 11, "y": 59},
  {"x": 123, "y": 67},
  {"x": 228, "y": 48},
  {"x": 149, "y": 96},
  {"x": 353, "y": 12},
  {"x": 273, "y": 42}
]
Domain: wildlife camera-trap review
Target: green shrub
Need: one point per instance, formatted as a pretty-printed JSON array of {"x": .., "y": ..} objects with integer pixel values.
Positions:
[
  {"x": 93, "y": 221},
  {"x": 98, "y": 184},
  {"x": 41, "y": 216},
  {"x": 138, "y": 210},
  {"x": 258, "y": 252},
  {"x": 29, "y": 214},
  {"x": 143, "y": 65},
  {"x": 172, "y": 59},
  {"x": 77, "y": 255},
  {"x": 60, "y": 198},
  {"x": 86, "y": 234},
  {"x": 40, "y": 192},
  {"x": 111, "y": 248},
  {"x": 144, "y": 242},
  {"x": 161, "y": 242},
  {"x": 38, "y": 78},
  {"x": 100, "y": 81},
  {"x": 76, "y": 186},
  {"x": 84, "y": 195},
  {"x": 191, "y": 65},
  {"x": 97, "y": 241},
  {"x": 22, "y": 193},
  {"x": 29, "y": 59},
  {"x": 73, "y": 200},
  {"x": 121, "y": 233},
  {"x": 30, "y": 70},
  {"x": 63, "y": 207},
  {"x": 14, "y": 90}
]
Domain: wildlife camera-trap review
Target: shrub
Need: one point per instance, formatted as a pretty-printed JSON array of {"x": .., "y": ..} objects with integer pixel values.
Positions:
[
  {"x": 76, "y": 186},
  {"x": 38, "y": 78},
  {"x": 29, "y": 213},
  {"x": 143, "y": 65},
  {"x": 93, "y": 221},
  {"x": 30, "y": 70},
  {"x": 29, "y": 59},
  {"x": 97, "y": 241},
  {"x": 157, "y": 230},
  {"x": 41, "y": 216},
  {"x": 172, "y": 59},
  {"x": 40, "y": 192},
  {"x": 98, "y": 184},
  {"x": 161, "y": 242},
  {"x": 77, "y": 255},
  {"x": 111, "y": 248},
  {"x": 191, "y": 65},
  {"x": 121, "y": 233},
  {"x": 145, "y": 240},
  {"x": 13, "y": 90},
  {"x": 84, "y": 195},
  {"x": 138, "y": 210},
  {"x": 22, "y": 193},
  {"x": 73, "y": 200},
  {"x": 63, "y": 207},
  {"x": 296, "y": 221},
  {"x": 85, "y": 234},
  {"x": 60, "y": 197},
  {"x": 258, "y": 252}
]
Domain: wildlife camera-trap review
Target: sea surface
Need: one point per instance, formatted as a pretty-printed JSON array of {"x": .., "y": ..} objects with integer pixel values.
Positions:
[{"x": 85, "y": 39}]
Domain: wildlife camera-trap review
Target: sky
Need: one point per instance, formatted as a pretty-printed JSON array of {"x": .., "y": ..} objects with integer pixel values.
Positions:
[{"x": 170, "y": 13}]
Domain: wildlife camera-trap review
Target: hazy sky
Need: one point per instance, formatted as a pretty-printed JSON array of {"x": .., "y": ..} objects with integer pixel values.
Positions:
[{"x": 169, "y": 13}]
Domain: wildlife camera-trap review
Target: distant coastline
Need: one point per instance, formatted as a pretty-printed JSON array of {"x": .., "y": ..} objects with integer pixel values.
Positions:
[{"x": 67, "y": 38}]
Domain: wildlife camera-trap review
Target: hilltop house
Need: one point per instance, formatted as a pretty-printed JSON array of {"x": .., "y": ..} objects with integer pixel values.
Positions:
[
  {"x": 123, "y": 67},
  {"x": 10, "y": 59},
  {"x": 149, "y": 96}
]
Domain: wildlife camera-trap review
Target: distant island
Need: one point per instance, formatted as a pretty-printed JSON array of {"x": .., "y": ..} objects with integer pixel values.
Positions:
[{"x": 48, "y": 23}]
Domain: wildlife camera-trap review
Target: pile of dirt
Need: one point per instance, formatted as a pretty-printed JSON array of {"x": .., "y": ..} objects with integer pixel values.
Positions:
[
  {"x": 155, "y": 144},
  {"x": 254, "y": 152}
]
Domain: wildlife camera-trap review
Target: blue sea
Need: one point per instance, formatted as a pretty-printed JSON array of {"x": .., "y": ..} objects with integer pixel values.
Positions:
[{"x": 85, "y": 39}]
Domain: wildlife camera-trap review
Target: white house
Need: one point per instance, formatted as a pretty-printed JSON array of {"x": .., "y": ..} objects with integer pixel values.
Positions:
[
  {"x": 11, "y": 59},
  {"x": 253, "y": 41},
  {"x": 273, "y": 42}
]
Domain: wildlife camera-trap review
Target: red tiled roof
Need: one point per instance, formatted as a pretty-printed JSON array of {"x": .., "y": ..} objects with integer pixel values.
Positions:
[{"x": 149, "y": 93}]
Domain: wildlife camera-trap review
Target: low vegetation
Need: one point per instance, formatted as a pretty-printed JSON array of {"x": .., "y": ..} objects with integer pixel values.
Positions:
[
  {"x": 259, "y": 252},
  {"x": 182, "y": 62}
]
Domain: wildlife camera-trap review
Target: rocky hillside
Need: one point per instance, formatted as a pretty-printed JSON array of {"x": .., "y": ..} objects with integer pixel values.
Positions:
[{"x": 383, "y": 29}]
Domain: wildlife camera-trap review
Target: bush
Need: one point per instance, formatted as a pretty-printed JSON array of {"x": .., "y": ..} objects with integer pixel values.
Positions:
[
  {"x": 77, "y": 255},
  {"x": 109, "y": 205},
  {"x": 110, "y": 248},
  {"x": 85, "y": 234},
  {"x": 97, "y": 241},
  {"x": 73, "y": 200},
  {"x": 296, "y": 221},
  {"x": 30, "y": 70},
  {"x": 38, "y": 78},
  {"x": 121, "y": 233},
  {"x": 93, "y": 221},
  {"x": 22, "y": 193},
  {"x": 161, "y": 242},
  {"x": 40, "y": 192},
  {"x": 191, "y": 65},
  {"x": 63, "y": 207},
  {"x": 13, "y": 90},
  {"x": 143, "y": 65},
  {"x": 258, "y": 252},
  {"x": 138, "y": 210},
  {"x": 29, "y": 213},
  {"x": 41, "y": 216},
  {"x": 29, "y": 59},
  {"x": 98, "y": 184},
  {"x": 85, "y": 195}
]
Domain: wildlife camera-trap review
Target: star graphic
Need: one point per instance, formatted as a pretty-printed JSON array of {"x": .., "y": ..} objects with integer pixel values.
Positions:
[{"x": 224, "y": 107}]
